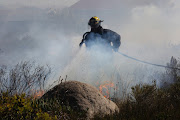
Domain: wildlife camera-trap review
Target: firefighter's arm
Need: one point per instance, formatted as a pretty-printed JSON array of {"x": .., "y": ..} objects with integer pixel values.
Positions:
[{"x": 84, "y": 37}]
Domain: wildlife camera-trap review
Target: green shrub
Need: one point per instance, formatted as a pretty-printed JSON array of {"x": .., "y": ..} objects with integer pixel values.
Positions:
[
  {"x": 151, "y": 102},
  {"x": 55, "y": 107},
  {"x": 19, "y": 107}
]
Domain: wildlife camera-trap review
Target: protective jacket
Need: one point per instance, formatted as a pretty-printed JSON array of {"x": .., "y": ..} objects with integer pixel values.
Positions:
[{"x": 103, "y": 37}]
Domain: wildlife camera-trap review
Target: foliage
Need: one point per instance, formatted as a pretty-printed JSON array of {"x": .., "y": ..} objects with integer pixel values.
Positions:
[
  {"x": 55, "y": 107},
  {"x": 19, "y": 107}
]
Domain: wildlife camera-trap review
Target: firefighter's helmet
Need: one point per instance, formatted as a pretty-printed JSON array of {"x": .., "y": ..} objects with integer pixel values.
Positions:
[{"x": 94, "y": 22}]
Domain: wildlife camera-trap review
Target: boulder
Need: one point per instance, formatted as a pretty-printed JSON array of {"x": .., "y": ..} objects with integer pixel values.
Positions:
[{"x": 82, "y": 97}]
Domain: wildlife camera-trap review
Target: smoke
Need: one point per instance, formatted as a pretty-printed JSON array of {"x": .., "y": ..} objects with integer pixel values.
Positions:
[
  {"x": 151, "y": 34},
  {"x": 50, "y": 34},
  {"x": 149, "y": 31}
]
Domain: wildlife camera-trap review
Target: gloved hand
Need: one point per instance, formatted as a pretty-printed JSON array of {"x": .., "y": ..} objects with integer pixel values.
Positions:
[{"x": 80, "y": 44}]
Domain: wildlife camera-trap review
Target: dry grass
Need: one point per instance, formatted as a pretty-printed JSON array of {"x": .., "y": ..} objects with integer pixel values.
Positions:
[{"x": 25, "y": 77}]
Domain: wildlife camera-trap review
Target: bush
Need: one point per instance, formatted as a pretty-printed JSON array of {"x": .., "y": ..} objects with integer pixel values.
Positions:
[
  {"x": 19, "y": 107},
  {"x": 55, "y": 107}
]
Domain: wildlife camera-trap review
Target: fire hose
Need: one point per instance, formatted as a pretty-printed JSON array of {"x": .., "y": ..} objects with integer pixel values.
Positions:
[{"x": 145, "y": 62}]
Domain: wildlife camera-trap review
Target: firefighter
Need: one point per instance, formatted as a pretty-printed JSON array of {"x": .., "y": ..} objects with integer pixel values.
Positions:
[{"x": 99, "y": 36}]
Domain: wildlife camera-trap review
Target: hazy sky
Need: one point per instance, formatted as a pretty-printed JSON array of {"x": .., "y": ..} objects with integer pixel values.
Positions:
[
  {"x": 114, "y": 4},
  {"x": 37, "y": 3}
]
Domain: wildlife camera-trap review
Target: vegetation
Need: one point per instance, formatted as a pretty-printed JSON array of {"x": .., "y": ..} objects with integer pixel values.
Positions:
[
  {"x": 152, "y": 102},
  {"x": 25, "y": 77},
  {"x": 19, "y": 107},
  {"x": 144, "y": 102},
  {"x": 18, "y": 88}
]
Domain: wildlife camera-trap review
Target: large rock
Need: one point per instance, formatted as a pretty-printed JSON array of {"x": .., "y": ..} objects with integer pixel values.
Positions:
[{"x": 82, "y": 97}]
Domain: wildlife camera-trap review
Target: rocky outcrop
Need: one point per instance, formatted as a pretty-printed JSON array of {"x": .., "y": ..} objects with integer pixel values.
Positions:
[{"x": 82, "y": 97}]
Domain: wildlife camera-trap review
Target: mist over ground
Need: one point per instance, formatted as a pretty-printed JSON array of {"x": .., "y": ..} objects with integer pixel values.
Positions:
[{"x": 51, "y": 33}]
